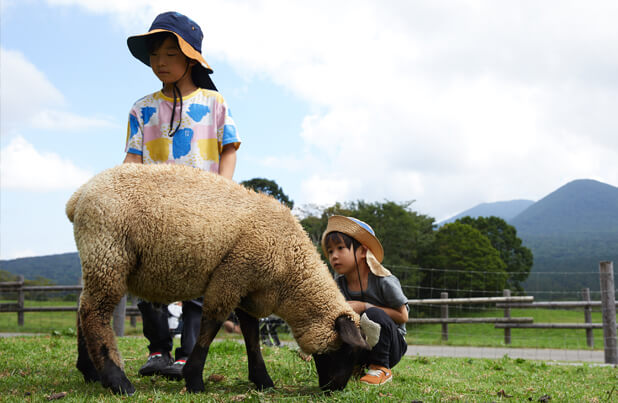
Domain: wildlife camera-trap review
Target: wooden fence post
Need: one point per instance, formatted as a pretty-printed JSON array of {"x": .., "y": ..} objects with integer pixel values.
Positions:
[
  {"x": 507, "y": 314},
  {"x": 133, "y": 318},
  {"x": 119, "y": 315},
  {"x": 20, "y": 301},
  {"x": 608, "y": 308},
  {"x": 588, "y": 317},
  {"x": 444, "y": 315}
]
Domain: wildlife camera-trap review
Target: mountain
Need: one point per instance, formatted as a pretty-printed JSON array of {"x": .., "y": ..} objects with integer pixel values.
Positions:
[
  {"x": 570, "y": 230},
  {"x": 503, "y": 209},
  {"x": 580, "y": 207},
  {"x": 62, "y": 269}
]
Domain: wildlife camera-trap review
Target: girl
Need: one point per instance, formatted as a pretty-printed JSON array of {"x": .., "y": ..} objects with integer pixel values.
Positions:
[{"x": 186, "y": 122}]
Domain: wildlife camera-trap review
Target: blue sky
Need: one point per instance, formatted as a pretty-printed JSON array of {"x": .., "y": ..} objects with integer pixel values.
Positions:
[{"x": 448, "y": 103}]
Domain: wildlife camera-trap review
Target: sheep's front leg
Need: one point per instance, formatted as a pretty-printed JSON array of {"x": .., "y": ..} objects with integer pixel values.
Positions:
[
  {"x": 193, "y": 370},
  {"x": 250, "y": 327}
]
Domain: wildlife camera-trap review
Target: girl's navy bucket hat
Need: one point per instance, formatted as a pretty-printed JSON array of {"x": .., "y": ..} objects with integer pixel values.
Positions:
[{"x": 189, "y": 36}]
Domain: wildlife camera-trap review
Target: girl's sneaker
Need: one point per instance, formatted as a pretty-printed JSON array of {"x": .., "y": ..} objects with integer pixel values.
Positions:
[
  {"x": 155, "y": 364},
  {"x": 174, "y": 371},
  {"x": 377, "y": 375}
]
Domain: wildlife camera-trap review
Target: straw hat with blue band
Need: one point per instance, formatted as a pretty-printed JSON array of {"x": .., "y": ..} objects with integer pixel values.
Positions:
[
  {"x": 363, "y": 233},
  {"x": 189, "y": 36}
]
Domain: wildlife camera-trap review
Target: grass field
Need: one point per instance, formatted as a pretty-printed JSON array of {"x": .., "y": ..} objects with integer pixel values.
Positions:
[
  {"x": 459, "y": 334},
  {"x": 41, "y": 368}
]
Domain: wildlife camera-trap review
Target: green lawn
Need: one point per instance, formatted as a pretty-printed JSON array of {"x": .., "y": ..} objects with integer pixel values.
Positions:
[{"x": 34, "y": 369}]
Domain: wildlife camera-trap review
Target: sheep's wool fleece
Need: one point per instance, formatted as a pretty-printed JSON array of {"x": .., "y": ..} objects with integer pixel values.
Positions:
[{"x": 171, "y": 233}]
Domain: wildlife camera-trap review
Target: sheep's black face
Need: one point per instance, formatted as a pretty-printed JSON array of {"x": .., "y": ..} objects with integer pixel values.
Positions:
[{"x": 335, "y": 368}]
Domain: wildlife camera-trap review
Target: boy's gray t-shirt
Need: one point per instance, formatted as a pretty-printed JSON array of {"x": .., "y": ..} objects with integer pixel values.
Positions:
[{"x": 381, "y": 291}]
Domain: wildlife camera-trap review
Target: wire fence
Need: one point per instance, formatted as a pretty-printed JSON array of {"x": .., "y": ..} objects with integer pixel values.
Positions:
[{"x": 484, "y": 324}]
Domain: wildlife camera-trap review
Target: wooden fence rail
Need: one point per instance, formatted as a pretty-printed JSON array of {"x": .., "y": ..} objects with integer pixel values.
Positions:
[
  {"x": 506, "y": 302},
  {"x": 469, "y": 301}
]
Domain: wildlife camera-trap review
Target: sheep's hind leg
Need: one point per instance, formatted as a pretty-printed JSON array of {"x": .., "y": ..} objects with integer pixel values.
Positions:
[
  {"x": 250, "y": 327},
  {"x": 101, "y": 342},
  {"x": 194, "y": 368},
  {"x": 104, "y": 286},
  {"x": 84, "y": 363}
]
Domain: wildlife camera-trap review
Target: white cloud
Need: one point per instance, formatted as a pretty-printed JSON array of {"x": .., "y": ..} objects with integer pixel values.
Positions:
[
  {"x": 55, "y": 120},
  {"x": 16, "y": 254},
  {"x": 326, "y": 191},
  {"x": 24, "y": 89},
  {"x": 25, "y": 168},
  {"x": 451, "y": 103},
  {"x": 29, "y": 99}
]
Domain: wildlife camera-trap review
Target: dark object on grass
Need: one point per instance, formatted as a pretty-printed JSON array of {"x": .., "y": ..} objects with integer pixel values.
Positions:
[{"x": 268, "y": 330}]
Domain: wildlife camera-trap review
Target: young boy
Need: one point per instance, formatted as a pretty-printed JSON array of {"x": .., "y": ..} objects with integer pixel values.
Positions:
[
  {"x": 186, "y": 122},
  {"x": 356, "y": 254}
]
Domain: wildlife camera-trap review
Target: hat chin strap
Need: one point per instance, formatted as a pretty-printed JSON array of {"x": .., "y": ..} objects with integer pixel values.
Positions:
[
  {"x": 174, "y": 90},
  {"x": 360, "y": 282}
]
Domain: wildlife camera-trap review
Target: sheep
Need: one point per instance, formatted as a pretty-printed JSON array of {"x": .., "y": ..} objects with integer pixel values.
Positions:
[{"x": 168, "y": 233}]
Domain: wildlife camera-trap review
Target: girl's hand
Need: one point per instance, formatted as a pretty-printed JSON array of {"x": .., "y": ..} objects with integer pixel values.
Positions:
[{"x": 133, "y": 158}]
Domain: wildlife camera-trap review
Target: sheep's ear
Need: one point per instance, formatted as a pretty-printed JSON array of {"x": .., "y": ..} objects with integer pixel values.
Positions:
[{"x": 350, "y": 333}]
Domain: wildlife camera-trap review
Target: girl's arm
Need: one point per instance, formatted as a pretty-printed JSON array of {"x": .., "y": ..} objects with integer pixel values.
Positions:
[
  {"x": 227, "y": 161},
  {"x": 138, "y": 159}
]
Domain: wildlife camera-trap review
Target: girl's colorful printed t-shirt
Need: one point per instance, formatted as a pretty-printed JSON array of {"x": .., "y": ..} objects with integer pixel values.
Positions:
[{"x": 206, "y": 127}]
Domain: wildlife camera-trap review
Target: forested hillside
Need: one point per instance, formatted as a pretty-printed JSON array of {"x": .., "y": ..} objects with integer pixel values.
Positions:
[
  {"x": 63, "y": 269},
  {"x": 571, "y": 230}
]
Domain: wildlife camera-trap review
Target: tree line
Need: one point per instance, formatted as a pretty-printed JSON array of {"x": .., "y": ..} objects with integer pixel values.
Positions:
[{"x": 469, "y": 257}]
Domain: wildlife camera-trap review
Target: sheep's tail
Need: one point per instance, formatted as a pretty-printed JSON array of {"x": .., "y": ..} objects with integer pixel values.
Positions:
[{"x": 72, "y": 203}]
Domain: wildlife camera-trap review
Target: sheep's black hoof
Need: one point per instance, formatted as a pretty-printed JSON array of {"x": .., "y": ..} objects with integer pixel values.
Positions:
[
  {"x": 124, "y": 388},
  {"x": 262, "y": 382},
  {"x": 89, "y": 378},
  {"x": 193, "y": 375},
  {"x": 88, "y": 371},
  {"x": 114, "y": 378},
  {"x": 195, "y": 386},
  {"x": 119, "y": 384},
  {"x": 85, "y": 365}
]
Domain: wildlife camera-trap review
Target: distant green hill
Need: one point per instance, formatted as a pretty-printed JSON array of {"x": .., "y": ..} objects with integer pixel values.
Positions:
[
  {"x": 579, "y": 207},
  {"x": 570, "y": 230},
  {"x": 63, "y": 269},
  {"x": 506, "y": 210}
]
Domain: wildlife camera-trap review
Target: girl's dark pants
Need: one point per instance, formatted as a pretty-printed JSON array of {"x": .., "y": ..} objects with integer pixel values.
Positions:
[
  {"x": 156, "y": 328},
  {"x": 391, "y": 345}
]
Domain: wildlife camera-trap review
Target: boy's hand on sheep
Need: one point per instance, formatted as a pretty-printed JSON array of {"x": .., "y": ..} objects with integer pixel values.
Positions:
[{"x": 358, "y": 306}]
